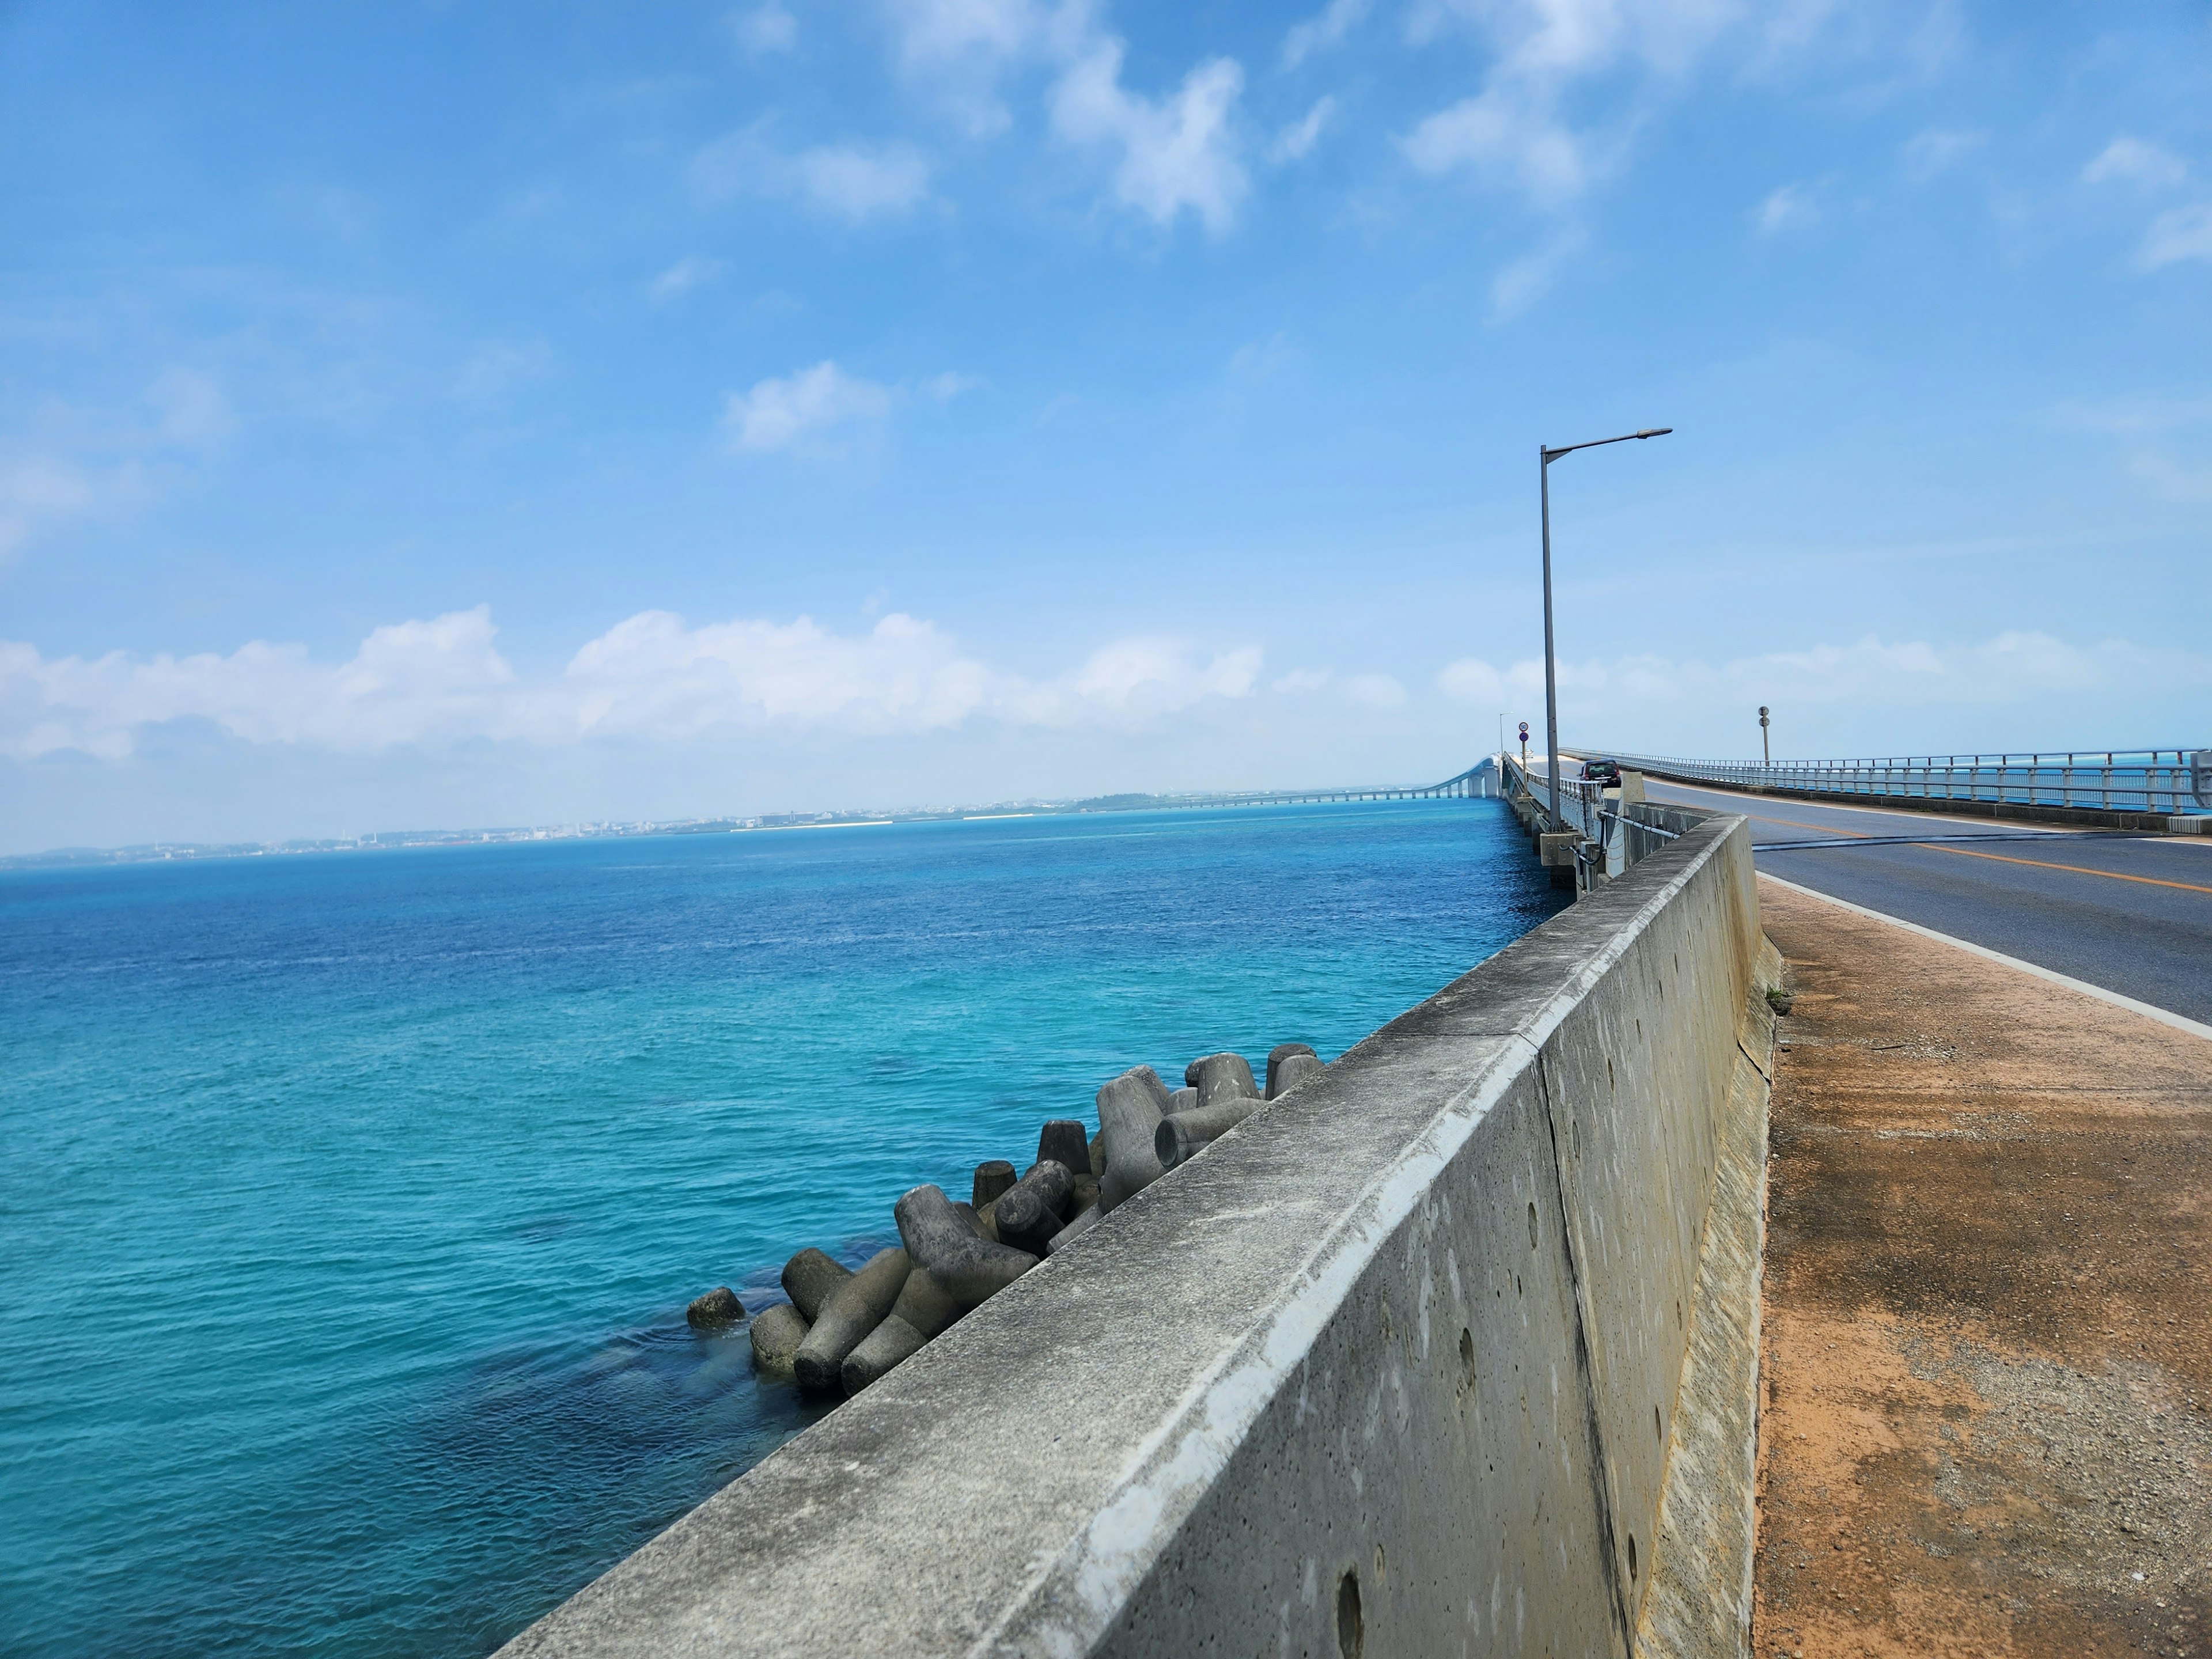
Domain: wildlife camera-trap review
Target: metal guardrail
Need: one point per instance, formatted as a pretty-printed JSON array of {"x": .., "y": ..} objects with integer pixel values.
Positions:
[{"x": 2177, "y": 781}]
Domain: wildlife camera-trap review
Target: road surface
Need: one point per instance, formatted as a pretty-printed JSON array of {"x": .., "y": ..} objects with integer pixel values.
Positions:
[{"x": 2131, "y": 914}]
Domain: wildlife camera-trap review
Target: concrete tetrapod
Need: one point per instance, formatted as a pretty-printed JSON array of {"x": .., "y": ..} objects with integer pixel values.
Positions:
[
  {"x": 1276, "y": 1056},
  {"x": 1220, "y": 1079},
  {"x": 1129, "y": 1109},
  {"x": 718, "y": 1308},
  {"x": 992, "y": 1176},
  {"x": 1182, "y": 1135},
  {"x": 808, "y": 1280},
  {"x": 1294, "y": 1070},
  {"x": 923, "y": 1309},
  {"x": 1081, "y": 1195},
  {"x": 1084, "y": 1222},
  {"x": 1184, "y": 1099},
  {"x": 970, "y": 1269},
  {"x": 1030, "y": 1212},
  {"x": 776, "y": 1334},
  {"x": 854, "y": 1307},
  {"x": 1064, "y": 1141}
]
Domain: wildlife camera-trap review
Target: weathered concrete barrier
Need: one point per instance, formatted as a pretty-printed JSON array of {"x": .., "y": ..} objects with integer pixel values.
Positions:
[{"x": 1401, "y": 1367}]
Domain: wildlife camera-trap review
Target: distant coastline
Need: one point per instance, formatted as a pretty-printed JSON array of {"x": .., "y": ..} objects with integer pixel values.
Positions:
[{"x": 388, "y": 840}]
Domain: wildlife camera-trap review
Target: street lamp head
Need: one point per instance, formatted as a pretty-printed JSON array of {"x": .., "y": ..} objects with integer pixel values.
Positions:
[{"x": 1655, "y": 432}]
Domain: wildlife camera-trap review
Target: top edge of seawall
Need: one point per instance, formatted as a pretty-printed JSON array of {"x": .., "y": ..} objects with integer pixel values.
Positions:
[{"x": 1008, "y": 1487}]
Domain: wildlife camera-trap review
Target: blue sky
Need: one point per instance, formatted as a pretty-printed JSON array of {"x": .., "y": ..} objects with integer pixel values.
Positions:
[{"x": 464, "y": 414}]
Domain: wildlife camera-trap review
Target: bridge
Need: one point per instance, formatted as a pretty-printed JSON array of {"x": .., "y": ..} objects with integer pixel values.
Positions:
[{"x": 1478, "y": 783}]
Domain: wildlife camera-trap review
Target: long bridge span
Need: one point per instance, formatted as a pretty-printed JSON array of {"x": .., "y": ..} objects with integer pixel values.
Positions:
[{"x": 1479, "y": 782}]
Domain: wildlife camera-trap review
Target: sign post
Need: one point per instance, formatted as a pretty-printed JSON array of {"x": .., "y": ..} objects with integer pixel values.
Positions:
[{"x": 1766, "y": 755}]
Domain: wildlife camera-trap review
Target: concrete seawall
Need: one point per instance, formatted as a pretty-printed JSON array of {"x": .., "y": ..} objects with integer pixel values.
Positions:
[{"x": 1399, "y": 1366}]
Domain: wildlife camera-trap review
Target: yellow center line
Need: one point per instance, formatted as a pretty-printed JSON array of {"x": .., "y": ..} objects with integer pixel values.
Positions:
[
  {"x": 1825, "y": 829},
  {"x": 1968, "y": 852},
  {"x": 2078, "y": 870}
]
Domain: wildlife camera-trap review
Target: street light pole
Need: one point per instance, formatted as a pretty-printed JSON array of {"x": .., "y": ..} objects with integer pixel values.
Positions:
[
  {"x": 1547, "y": 455},
  {"x": 1765, "y": 754}
]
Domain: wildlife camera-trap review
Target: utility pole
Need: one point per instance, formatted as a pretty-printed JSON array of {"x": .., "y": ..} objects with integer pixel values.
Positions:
[
  {"x": 1547, "y": 455},
  {"x": 1765, "y": 754}
]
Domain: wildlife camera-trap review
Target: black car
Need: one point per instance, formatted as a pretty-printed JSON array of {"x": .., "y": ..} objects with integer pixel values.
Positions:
[{"x": 1602, "y": 771}]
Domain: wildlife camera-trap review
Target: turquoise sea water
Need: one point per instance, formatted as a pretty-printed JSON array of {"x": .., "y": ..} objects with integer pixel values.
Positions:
[{"x": 349, "y": 1204}]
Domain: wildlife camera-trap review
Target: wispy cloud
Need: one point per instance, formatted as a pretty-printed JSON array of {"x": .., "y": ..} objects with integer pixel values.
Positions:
[
  {"x": 1510, "y": 136},
  {"x": 1522, "y": 281},
  {"x": 495, "y": 369},
  {"x": 1258, "y": 360},
  {"x": 1600, "y": 697},
  {"x": 694, "y": 270},
  {"x": 652, "y": 677},
  {"x": 81, "y": 465},
  {"x": 768, "y": 28},
  {"x": 1323, "y": 31},
  {"x": 2181, "y": 234},
  {"x": 1926, "y": 155},
  {"x": 1790, "y": 208},
  {"x": 853, "y": 182},
  {"x": 1177, "y": 152},
  {"x": 1513, "y": 131},
  {"x": 1294, "y": 142},
  {"x": 777, "y": 414},
  {"x": 2133, "y": 161}
]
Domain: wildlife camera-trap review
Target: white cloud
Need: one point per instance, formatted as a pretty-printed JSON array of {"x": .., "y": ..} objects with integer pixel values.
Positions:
[
  {"x": 692, "y": 271},
  {"x": 1259, "y": 361},
  {"x": 943, "y": 388},
  {"x": 1507, "y": 134},
  {"x": 1602, "y": 699},
  {"x": 1928, "y": 154},
  {"x": 957, "y": 50},
  {"x": 1295, "y": 141},
  {"x": 2131, "y": 161},
  {"x": 1375, "y": 692},
  {"x": 408, "y": 684},
  {"x": 497, "y": 369},
  {"x": 770, "y": 28},
  {"x": 1176, "y": 152},
  {"x": 36, "y": 491},
  {"x": 652, "y": 677},
  {"x": 850, "y": 181},
  {"x": 1515, "y": 129},
  {"x": 1789, "y": 208},
  {"x": 1327, "y": 29},
  {"x": 1524, "y": 281},
  {"x": 775, "y": 414},
  {"x": 192, "y": 411},
  {"x": 2184, "y": 233},
  {"x": 73, "y": 464}
]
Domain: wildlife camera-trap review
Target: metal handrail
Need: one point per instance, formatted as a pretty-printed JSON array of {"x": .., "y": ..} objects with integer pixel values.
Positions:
[{"x": 2173, "y": 781}]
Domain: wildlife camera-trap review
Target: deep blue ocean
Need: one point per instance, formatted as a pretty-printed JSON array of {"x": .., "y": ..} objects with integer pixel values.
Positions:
[{"x": 349, "y": 1203}]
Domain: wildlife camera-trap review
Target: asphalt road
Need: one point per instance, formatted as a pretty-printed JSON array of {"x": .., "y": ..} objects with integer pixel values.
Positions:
[{"x": 2130, "y": 914}]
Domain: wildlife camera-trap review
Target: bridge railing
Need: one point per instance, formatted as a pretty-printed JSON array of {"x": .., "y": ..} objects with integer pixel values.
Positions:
[{"x": 2175, "y": 781}]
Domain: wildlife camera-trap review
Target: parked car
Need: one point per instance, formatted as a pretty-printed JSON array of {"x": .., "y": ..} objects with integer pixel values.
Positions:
[{"x": 1602, "y": 771}]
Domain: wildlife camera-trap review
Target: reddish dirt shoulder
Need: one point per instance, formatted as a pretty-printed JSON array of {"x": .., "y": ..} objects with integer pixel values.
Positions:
[{"x": 1987, "y": 1347}]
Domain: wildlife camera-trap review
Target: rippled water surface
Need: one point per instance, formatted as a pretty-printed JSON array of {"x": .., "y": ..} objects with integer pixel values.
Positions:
[{"x": 349, "y": 1203}]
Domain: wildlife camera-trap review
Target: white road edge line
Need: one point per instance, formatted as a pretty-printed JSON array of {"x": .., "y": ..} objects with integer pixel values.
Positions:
[{"x": 2164, "y": 1016}]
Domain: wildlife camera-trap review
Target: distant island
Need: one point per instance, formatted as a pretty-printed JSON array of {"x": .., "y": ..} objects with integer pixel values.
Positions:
[{"x": 386, "y": 840}]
